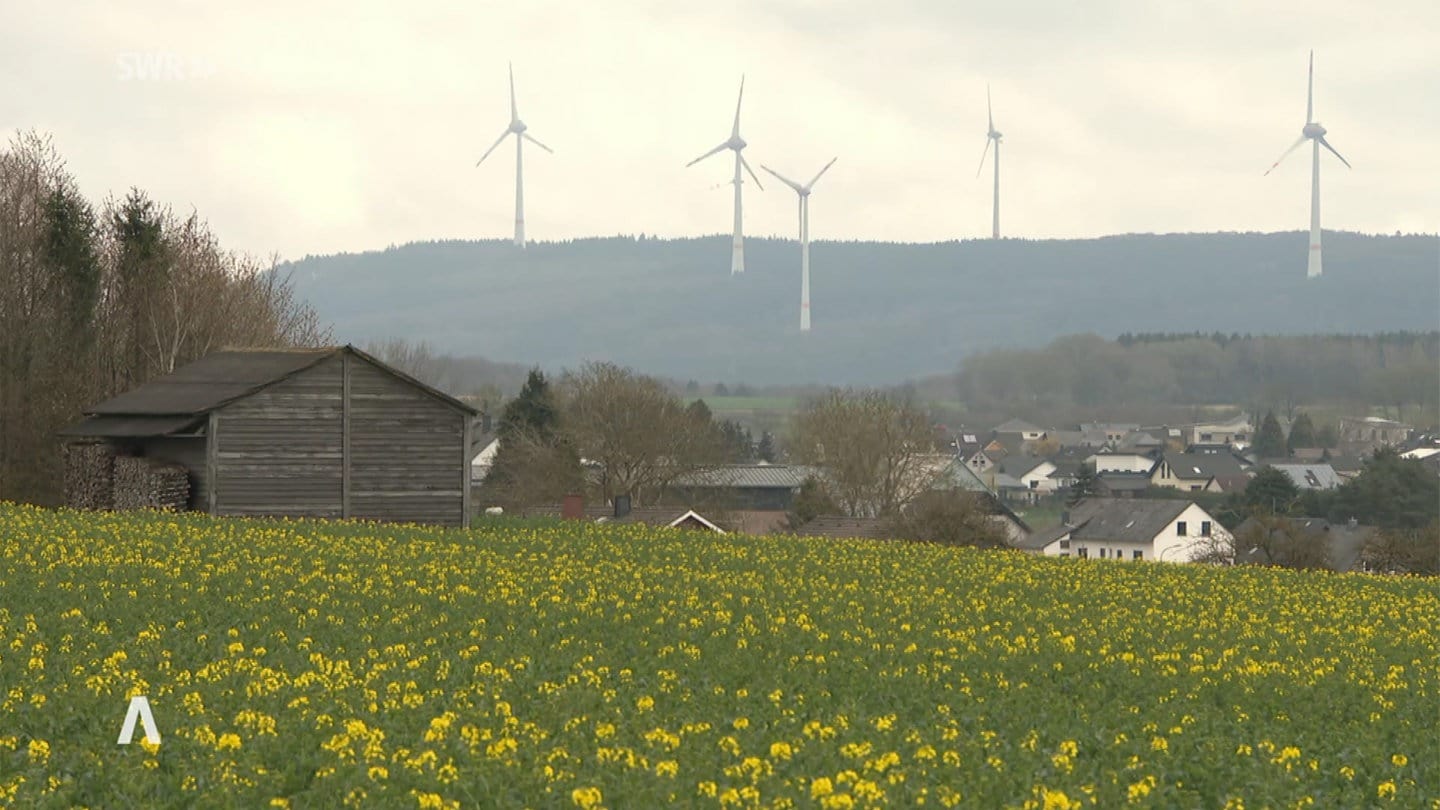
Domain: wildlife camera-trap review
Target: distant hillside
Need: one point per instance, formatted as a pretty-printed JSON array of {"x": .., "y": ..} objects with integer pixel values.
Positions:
[{"x": 882, "y": 312}]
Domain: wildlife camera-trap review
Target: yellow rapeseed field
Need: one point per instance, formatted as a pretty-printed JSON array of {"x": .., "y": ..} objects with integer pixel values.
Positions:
[{"x": 307, "y": 664}]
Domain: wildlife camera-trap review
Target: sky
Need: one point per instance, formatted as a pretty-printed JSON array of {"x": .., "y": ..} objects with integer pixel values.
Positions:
[{"x": 321, "y": 127}]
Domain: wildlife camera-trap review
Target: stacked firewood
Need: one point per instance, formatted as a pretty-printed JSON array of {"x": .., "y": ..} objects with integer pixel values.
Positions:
[
  {"x": 89, "y": 475},
  {"x": 145, "y": 483}
]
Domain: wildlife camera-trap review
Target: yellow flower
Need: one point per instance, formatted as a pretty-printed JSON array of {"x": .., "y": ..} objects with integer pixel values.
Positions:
[
  {"x": 39, "y": 751},
  {"x": 645, "y": 703},
  {"x": 377, "y": 773},
  {"x": 228, "y": 741},
  {"x": 1386, "y": 789},
  {"x": 821, "y": 787},
  {"x": 1399, "y": 760},
  {"x": 586, "y": 797}
]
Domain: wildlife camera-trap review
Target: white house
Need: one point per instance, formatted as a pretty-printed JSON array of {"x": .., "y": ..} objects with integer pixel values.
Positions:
[
  {"x": 1131, "y": 529},
  {"x": 480, "y": 465},
  {"x": 1027, "y": 431},
  {"x": 1121, "y": 462}
]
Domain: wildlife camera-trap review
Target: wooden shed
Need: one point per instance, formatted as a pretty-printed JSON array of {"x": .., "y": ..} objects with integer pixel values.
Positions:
[{"x": 328, "y": 433}]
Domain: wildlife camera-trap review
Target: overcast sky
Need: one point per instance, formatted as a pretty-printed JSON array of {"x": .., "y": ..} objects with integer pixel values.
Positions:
[{"x": 315, "y": 127}]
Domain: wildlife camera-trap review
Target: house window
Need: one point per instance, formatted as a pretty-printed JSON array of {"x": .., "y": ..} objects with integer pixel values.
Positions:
[
  {"x": 1064, "y": 544},
  {"x": 1102, "y": 553},
  {"x": 1194, "y": 487},
  {"x": 1204, "y": 528},
  {"x": 1084, "y": 553},
  {"x": 1138, "y": 555},
  {"x": 1180, "y": 529}
]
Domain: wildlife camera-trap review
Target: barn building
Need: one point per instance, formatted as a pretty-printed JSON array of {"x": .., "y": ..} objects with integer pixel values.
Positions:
[{"x": 324, "y": 433}]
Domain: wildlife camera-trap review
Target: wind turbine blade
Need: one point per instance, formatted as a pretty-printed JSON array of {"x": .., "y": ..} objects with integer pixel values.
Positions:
[
  {"x": 981, "y": 167},
  {"x": 493, "y": 146},
  {"x": 989, "y": 114},
  {"x": 1286, "y": 153},
  {"x": 721, "y": 148},
  {"x": 799, "y": 189},
  {"x": 735, "y": 131},
  {"x": 744, "y": 163},
  {"x": 1310, "y": 92},
  {"x": 514, "y": 110},
  {"x": 1327, "y": 145},
  {"x": 822, "y": 171},
  {"x": 531, "y": 138}
]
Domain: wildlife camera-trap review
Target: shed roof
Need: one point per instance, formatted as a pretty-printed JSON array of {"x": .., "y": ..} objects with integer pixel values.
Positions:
[
  {"x": 222, "y": 377},
  {"x": 130, "y": 427}
]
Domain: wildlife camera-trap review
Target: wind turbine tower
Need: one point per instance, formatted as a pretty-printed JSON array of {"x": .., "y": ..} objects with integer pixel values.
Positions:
[
  {"x": 992, "y": 136},
  {"x": 804, "y": 194},
  {"x": 736, "y": 144},
  {"x": 1314, "y": 133},
  {"x": 518, "y": 129}
]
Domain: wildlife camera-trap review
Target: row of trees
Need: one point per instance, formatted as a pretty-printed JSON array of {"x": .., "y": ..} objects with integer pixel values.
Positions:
[
  {"x": 95, "y": 299},
  {"x": 1399, "y": 370}
]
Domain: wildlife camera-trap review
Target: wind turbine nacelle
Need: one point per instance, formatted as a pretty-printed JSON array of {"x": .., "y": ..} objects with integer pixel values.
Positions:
[
  {"x": 517, "y": 126},
  {"x": 1314, "y": 130},
  {"x": 737, "y": 143}
]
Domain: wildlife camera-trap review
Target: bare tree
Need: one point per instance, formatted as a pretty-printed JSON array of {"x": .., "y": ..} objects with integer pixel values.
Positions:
[
  {"x": 873, "y": 447},
  {"x": 949, "y": 517},
  {"x": 638, "y": 433},
  {"x": 418, "y": 359},
  {"x": 1404, "y": 551}
]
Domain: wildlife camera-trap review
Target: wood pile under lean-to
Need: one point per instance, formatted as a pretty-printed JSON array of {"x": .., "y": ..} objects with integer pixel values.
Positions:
[
  {"x": 89, "y": 475},
  {"x": 145, "y": 483}
]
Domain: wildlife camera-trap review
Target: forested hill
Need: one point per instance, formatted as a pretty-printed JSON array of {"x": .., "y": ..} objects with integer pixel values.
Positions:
[{"x": 882, "y": 312}]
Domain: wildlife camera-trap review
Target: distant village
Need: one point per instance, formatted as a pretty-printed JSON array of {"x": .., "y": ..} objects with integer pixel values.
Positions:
[{"x": 337, "y": 433}]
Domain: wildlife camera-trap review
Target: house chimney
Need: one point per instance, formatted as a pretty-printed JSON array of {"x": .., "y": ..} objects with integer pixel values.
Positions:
[
  {"x": 573, "y": 507},
  {"x": 1065, "y": 518},
  {"x": 622, "y": 505}
]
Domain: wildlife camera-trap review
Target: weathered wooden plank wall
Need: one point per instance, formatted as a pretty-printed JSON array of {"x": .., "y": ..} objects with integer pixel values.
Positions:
[
  {"x": 406, "y": 451},
  {"x": 278, "y": 451}
]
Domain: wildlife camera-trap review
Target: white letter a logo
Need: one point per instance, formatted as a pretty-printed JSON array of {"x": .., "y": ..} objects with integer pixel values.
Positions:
[{"x": 139, "y": 707}]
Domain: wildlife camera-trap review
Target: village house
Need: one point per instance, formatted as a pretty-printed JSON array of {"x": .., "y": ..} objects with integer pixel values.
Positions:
[
  {"x": 1374, "y": 430},
  {"x": 1199, "y": 472},
  {"x": 1131, "y": 529},
  {"x": 324, "y": 433}
]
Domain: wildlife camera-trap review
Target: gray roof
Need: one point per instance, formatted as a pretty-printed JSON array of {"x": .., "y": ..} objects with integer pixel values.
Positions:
[
  {"x": 1017, "y": 426},
  {"x": 211, "y": 381},
  {"x": 1311, "y": 476},
  {"x": 1222, "y": 466},
  {"x": 1042, "y": 538},
  {"x": 222, "y": 377},
  {"x": 748, "y": 476},
  {"x": 1018, "y": 465},
  {"x": 1127, "y": 520},
  {"x": 1002, "y": 480}
]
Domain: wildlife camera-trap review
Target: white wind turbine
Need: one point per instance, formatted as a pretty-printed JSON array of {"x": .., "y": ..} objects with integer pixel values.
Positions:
[
  {"x": 804, "y": 194},
  {"x": 518, "y": 129},
  {"x": 1316, "y": 134},
  {"x": 992, "y": 136},
  {"x": 735, "y": 143}
]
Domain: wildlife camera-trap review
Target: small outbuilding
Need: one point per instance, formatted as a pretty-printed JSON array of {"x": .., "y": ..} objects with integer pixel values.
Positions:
[{"x": 324, "y": 433}]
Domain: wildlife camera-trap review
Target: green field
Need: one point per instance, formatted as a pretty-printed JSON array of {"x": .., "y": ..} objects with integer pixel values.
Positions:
[{"x": 533, "y": 664}]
